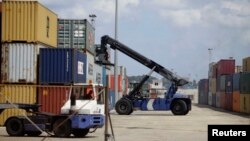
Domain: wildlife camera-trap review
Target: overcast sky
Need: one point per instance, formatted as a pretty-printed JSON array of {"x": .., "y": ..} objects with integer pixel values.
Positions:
[{"x": 175, "y": 33}]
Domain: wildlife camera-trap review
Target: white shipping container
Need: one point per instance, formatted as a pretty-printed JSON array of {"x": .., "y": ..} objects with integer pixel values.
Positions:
[
  {"x": 210, "y": 72},
  {"x": 90, "y": 68},
  {"x": 98, "y": 74},
  {"x": 19, "y": 62}
]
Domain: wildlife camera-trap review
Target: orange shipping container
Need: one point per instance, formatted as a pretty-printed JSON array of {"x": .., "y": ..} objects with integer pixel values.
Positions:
[
  {"x": 25, "y": 94},
  {"x": 236, "y": 101},
  {"x": 111, "y": 84},
  {"x": 52, "y": 98},
  {"x": 245, "y": 103},
  {"x": 28, "y": 21}
]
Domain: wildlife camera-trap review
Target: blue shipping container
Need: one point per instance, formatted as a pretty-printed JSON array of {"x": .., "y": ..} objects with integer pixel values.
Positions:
[
  {"x": 104, "y": 77},
  {"x": 62, "y": 66},
  {"x": 236, "y": 82}
]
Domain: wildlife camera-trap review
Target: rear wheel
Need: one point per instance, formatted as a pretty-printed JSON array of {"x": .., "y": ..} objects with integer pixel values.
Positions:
[
  {"x": 124, "y": 107},
  {"x": 14, "y": 127},
  {"x": 62, "y": 128},
  {"x": 179, "y": 107},
  {"x": 80, "y": 132}
]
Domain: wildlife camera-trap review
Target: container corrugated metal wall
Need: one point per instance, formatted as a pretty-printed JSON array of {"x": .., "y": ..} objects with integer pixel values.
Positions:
[
  {"x": 210, "y": 101},
  {"x": 62, "y": 66},
  {"x": 210, "y": 71},
  {"x": 214, "y": 100},
  {"x": 220, "y": 83},
  {"x": 28, "y": 21},
  {"x": 212, "y": 85},
  {"x": 25, "y": 94},
  {"x": 77, "y": 34},
  {"x": 104, "y": 76},
  {"x": 245, "y": 83},
  {"x": 236, "y": 101},
  {"x": 19, "y": 62},
  {"x": 225, "y": 67},
  {"x": 218, "y": 95},
  {"x": 52, "y": 98},
  {"x": 245, "y": 103},
  {"x": 90, "y": 68},
  {"x": 203, "y": 91},
  {"x": 236, "y": 82},
  {"x": 246, "y": 64},
  {"x": 223, "y": 100}
]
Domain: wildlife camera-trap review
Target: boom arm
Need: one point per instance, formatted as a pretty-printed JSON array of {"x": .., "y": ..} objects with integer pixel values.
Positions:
[{"x": 114, "y": 44}]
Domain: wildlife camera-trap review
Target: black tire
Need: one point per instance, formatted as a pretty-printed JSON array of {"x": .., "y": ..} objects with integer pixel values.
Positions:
[
  {"x": 62, "y": 130},
  {"x": 14, "y": 126},
  {"x": 34, "y": 133},
  {"x": 179, "y": 107},
  {"x": 124, "y": 107},
  {"x": 80, "y": 132}
]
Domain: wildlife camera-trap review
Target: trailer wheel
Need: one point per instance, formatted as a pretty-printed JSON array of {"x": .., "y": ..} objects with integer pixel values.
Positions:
[
  {"x": 179, "y": 108},
  {"x": 14, "y": 127},
  {"x": 34, "y": 133},
  {"x": 80, "y": 132},
  {"x": 124, "y": 107},
  {"x": 62, "y": 128}
]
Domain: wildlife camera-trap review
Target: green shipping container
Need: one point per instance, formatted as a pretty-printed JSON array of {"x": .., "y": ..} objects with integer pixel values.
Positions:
[{"x": 245, "y": 83}]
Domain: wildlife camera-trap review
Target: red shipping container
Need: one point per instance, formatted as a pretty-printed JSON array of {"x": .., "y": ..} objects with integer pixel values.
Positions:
[
  {"x": 52, "y": 98},
  {"x": 111, "y": 82},
  {"x": 236, "y": 101},
  {"x": 223, "y": 100},
  {"x": 229, "y": 101},
  {"x": 225, "y": 67}
]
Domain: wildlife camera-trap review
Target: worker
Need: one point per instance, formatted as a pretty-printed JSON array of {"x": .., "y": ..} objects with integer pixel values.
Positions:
[{"x": 89, "y": 95}]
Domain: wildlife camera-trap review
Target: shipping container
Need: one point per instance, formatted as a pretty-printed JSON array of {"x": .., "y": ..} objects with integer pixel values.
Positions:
[
  {"x": 211, "y": 69},
  {"x": 62, "y": 66},
  {"x": 52, "y": 98},
  {"x": 79, "y": 34},
  {"x": 223, "y": 100},
  {"x": 203, "y": 91},
  {"x": 220, "y": 83},
  {"x": 236, "y": 101},
  {"x": 98, "y": 74},
  {"x": 229, "y": 84},
  {"x": 214, "y": 71},
  {"x": 25, "y": 94},
  {"x": 210, "y": 98},
  {"x": 245, "y": 103},
  {"x": 246, "y": 64},
  {"x": 238, "y": 69},
  {"x": 19, "y": 62},
  {"x": 111, "y": 80},
  {"x": 225, "y": 67},
  {"x": 229, "y": 101},
  {"x": 214, "y": 100},
  {"x": 111, "y": 99},
  {"x": 104, "y": 76},
  {"x": 90, "y": 68},
  {"x": 245, "y": 83},
  {"x": 212, "y": 85},
  {"x": 28, "y": 21},
  {"x": 218, "y": 102},
  {"x": 236, "y": 82}
]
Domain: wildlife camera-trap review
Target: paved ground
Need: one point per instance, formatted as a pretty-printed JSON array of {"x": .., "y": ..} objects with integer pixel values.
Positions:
[{"x": 156, "y": 126}]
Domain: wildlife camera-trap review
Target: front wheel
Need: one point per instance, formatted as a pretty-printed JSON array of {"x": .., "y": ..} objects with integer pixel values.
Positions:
[
  {"x": 14, "y": 127},
  {"x": 124, "y": 107},
  {"x": 179, "y": 107},
  {"x": 62, "y": 128},
  {"x": 80, "y": 132}
]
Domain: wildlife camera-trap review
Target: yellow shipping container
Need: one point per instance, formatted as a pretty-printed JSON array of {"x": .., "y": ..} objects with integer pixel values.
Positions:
[
  {"x": 25, "y": 94},
  {"x": 245, "y": 103},
  {"x": 246, "y": 64},
  {"x": 28, "y": 21}
]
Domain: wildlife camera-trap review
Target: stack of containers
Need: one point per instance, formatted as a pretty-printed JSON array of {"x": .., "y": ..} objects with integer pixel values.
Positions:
[
  {"x": 224, "y": 67},
  {"x": 236, "y": 92},
  {"x": 212, "y": 85},
  {"x": 27, "y": 26},
  {"x": 245, "y": 86},
  {"x": 203, "y": 91},
  {"x": 229, "y": 92}
]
